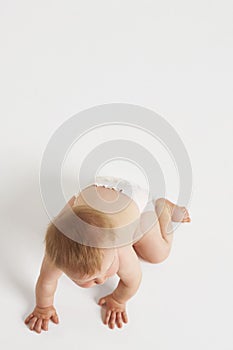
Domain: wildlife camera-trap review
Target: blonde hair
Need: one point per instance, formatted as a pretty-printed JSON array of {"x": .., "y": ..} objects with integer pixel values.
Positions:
[{"x": 71, "y": 255}]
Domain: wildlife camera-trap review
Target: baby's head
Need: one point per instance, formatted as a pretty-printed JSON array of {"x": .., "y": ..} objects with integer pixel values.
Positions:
[
  {"x": 85, "y": 265},
  {"x": 100, "y": 276}
]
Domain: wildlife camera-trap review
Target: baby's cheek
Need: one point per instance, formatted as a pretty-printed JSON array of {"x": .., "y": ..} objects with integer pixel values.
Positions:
[{"x": 88, "y": 285}]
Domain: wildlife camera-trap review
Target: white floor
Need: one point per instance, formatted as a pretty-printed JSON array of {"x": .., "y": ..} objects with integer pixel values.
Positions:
[{"x": 173, "y": 57}]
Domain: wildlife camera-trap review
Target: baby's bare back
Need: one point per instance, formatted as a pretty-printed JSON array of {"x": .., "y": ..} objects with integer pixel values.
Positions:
[{"x": 122, "y": 210}]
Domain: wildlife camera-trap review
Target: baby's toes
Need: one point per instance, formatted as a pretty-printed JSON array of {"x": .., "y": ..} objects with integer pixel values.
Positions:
[
  {"x": 185, "y": 212},
  {"x": 186, "y": 220},
  {"x": 186, "y": 215}
]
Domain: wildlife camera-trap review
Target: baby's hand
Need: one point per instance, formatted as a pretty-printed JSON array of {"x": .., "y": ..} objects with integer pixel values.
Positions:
[
  {"x": 115, "y": 311},
  {"x": 39, "y": 318}
]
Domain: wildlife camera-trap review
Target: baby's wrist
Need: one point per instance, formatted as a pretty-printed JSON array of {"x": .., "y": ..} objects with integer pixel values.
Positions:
[
  {"x": 117, "y": 299},
  {"x": 44, "y": 307}
]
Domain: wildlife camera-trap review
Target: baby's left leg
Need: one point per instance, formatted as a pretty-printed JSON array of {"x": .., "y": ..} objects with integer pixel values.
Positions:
[{"x": 156, "y": 243}]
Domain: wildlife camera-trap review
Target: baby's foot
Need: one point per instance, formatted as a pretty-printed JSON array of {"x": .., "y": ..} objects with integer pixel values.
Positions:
[{"x": 178, "y": 214}]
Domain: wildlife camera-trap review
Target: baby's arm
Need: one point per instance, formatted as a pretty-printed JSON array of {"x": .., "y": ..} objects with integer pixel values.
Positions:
[
  {"x": 47, "y": 283},
  {"x": 130, "y": 278},
  {"x": 45, "y": 289},
  {"x": 130, "y": 274}
]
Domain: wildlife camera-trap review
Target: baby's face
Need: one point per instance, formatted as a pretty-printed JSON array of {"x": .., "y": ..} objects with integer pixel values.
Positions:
[{"x": 98, "y": 278}]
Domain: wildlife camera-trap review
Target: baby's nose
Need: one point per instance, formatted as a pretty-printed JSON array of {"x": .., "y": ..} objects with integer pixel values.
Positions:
[{"x": 100, "y": 280}]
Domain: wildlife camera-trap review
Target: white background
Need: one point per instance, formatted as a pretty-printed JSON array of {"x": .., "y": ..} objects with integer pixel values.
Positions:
[{"x": 174, "y": 57}]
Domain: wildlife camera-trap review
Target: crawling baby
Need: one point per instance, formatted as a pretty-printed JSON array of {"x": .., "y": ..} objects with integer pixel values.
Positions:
[{"x": 89, "y": 266}]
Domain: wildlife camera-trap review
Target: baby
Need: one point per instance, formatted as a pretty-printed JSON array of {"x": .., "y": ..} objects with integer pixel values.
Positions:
[{"x": 88, "y": 266}]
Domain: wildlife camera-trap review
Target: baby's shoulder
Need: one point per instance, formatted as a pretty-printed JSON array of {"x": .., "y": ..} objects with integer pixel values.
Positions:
[
  {"x": 126, "y": 254},
  {"x": 129, "y": 264}
]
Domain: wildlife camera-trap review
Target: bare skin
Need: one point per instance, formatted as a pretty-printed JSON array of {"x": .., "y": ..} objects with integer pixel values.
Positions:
[
  {"x": 40, "y": 316},
  {"x": 153, "y": 247},
  {"x": 178, "y": 213}
]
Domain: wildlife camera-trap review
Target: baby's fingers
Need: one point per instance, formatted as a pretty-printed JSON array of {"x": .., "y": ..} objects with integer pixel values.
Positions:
[
  {"x": 32, "y": 323},
  {"x": 45, "y": 325},
  {"x": 28, "y": 318},
  {"x": 107, "y": 317},
  {"x": 38, "y": 325},
  {"x": 124, "y": 316},
  {"x": 55, "y": 319},
  {"x": 112, "y": 320},
  {"x": 118, "y": 319}
]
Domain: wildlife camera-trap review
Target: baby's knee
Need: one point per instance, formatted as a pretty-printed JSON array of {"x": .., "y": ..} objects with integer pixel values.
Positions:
[
  {"x": 158, "y": 258},
  {"x": 160, "y": 202}
]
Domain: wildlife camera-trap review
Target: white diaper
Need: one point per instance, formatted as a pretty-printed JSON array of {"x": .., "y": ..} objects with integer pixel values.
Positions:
[{"x": 141, "y": 196}]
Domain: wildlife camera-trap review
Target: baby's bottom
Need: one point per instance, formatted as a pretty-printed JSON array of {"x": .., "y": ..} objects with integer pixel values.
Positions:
[{"x": 155, "y": 245}]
